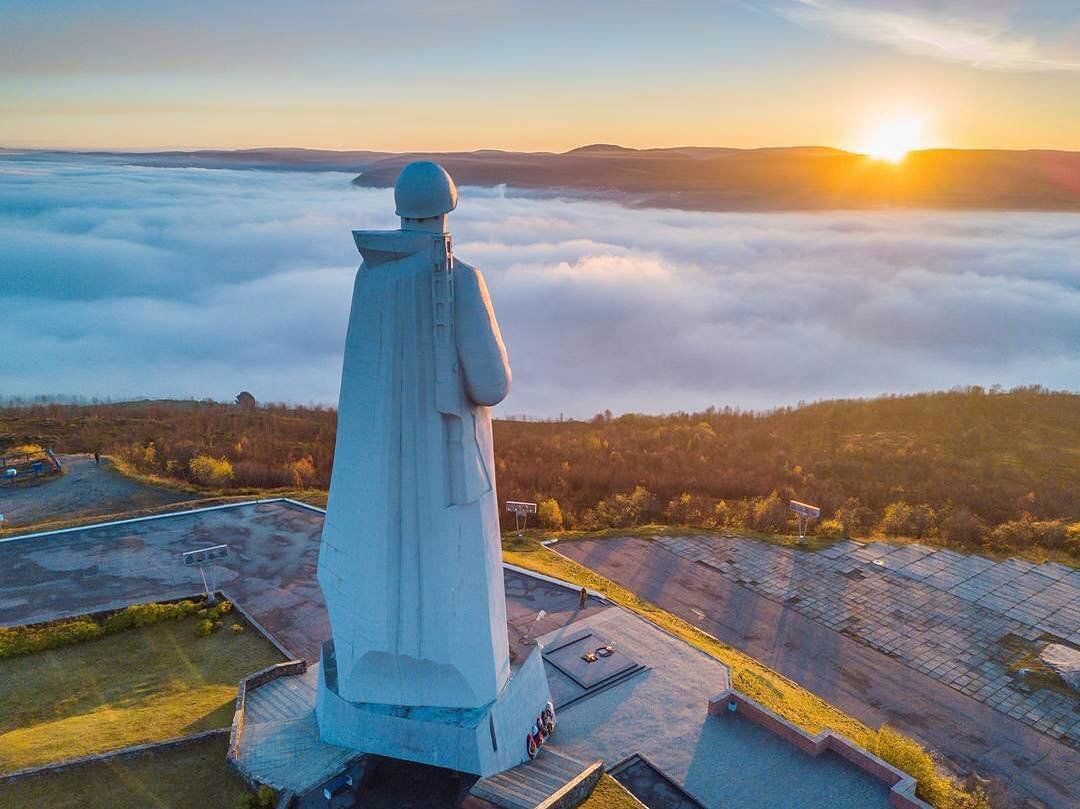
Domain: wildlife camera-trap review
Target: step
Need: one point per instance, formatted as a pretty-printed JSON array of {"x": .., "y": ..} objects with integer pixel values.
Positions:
[
  {"x": 610, "y": 682},
  {"x": 537, "y": 783}
]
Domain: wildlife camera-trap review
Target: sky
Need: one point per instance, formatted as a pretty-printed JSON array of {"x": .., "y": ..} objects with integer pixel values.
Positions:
[
  {"x": 527, "y": 75},
  {"x": 120, "y": 282}
]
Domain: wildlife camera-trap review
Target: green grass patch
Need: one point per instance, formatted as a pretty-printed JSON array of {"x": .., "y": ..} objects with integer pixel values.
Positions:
[
  {"x": 191, "y": 777},
  {"x": 1018, "y": 653},
  {"x": 143, "y": 684},
  {"x": 610, "y": 794},
  {"x": 759, "y": 682}
]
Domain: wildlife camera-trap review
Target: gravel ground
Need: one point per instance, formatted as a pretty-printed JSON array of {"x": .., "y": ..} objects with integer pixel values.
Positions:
[{"x": 85, "y": 489}]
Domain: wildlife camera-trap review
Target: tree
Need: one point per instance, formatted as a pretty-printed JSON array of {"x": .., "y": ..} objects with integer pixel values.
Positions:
[
  {"x": 690, "y": 509},
  {"x": 732, "y": 514},
  {"x": 302, "y": 472},
  {"x": 896, "y": 520},
  {"x": 959, "y": 525},
  {"x": 770, "y": 513},
  {"x": 549, "y": 515},
  {"x": 856, "y": 518},
  {"x": 621, "y": 510}
]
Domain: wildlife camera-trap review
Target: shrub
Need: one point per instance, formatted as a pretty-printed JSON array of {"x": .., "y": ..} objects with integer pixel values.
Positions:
[
  {"x": 265, "y": 797},
  {"x": 237, "y": 628},
  {"x": 210, "y": 471},
  {"x": 906, "y": 754},
  {"x": 1072, "y": 537},
  {"x": 204, "y": 627},
  {"x": 903, "y": 520},
  {"x": 1028, "y": 532},
  {"x": 691, "y": 509},
  {"x": 831, "y": 529},
  {"x": 302, "y": 472},
  {"x": 960, "y": 525},
  {"x": 622, "y": 510},
  {"x": 224, "y": 608},
  {"x": 731, "y": 514},
  {"x": 856, "y": 518},
  {"x": 549, "y": 515},
  {"x": 27, "y": 639},
  {"x": 770, "y": 513}
]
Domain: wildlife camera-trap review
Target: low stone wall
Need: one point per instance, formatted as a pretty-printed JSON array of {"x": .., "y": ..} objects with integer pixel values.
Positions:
[
  {"x": 577, "y": 790},
  {"x": 902, "y": 792},
  {"x": 248, "y": 684},
  {"x": 262, "y": 629},
  {"x": 123, "y": 752}
]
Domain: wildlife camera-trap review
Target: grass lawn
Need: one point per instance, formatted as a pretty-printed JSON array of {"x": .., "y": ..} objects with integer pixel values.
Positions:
[
  {"x": 610, "y": 794},
  {"x": 140, "y": 685},
  {"x": 191, "y": 777}
]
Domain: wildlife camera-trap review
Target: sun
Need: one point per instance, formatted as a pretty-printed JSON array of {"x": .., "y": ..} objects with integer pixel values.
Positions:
[{"x": 892, "y": 139}]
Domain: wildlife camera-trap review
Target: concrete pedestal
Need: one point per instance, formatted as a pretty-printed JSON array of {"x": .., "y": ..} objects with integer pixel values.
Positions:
[{"x": 482, "y": 741}]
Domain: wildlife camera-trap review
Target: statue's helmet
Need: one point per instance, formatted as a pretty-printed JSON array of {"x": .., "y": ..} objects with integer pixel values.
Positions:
[{"x": 424, "y": 189}]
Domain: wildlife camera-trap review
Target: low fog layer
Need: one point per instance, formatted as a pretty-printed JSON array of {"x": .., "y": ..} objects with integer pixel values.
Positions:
[{"x": 123, "y": 282}]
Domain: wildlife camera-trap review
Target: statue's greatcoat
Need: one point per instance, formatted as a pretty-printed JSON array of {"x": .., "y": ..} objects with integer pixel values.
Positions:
[{"x": 410, "y": 563}]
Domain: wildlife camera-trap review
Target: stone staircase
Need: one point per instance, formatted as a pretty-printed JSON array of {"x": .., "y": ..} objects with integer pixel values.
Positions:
[{"x": 550, "y": 781}]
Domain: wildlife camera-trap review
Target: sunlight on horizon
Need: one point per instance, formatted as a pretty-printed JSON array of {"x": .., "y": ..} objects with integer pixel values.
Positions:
[{"x": 891, "y": 139}]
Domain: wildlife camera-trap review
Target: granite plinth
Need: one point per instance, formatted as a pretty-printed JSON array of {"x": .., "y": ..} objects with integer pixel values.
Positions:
[
  {"x": 482, "y": 741},
  {"x": 569, "y": 657}
]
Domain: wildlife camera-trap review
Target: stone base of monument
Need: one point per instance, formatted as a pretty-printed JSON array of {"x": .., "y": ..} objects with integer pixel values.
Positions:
[{"x": 482, "y": 741}]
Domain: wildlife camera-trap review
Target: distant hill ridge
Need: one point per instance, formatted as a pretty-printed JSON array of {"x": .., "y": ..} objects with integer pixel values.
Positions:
[
  {"x": 701, "y": 177},
  {"x": 790, "y": 178}
]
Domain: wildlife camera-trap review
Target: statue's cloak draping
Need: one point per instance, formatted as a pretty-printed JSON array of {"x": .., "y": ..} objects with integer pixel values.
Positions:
[{"x": 410, "y": 561}]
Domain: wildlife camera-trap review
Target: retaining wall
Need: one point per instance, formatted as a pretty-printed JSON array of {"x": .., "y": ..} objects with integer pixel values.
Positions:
[
  {"x": 902, "y": 792},
  {"x": 250, "y": 683},
  {"x": 123, "y": 752}
]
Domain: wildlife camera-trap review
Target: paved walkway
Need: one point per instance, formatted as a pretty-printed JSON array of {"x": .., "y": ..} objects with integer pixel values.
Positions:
[
  {"x": 85, "y": 489},
  {"x": 280, "y": 743},
  {"x": 662, "y": 714},
  {"x": 274, "y": 550},
  {"x": 271, "y": 569},
  {"x": 863, "y": 681},
  {"x": 956, "y": 618}
]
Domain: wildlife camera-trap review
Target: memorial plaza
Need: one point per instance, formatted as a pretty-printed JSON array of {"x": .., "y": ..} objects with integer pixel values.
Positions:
[{"x": 647, "y": 718}]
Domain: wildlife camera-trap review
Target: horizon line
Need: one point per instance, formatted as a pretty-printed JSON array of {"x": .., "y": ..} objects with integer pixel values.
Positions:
[{"x": 594, "y": 146}]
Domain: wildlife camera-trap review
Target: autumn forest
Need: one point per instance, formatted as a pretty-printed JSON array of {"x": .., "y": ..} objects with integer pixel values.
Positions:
[{"x": 973, "y": 467}]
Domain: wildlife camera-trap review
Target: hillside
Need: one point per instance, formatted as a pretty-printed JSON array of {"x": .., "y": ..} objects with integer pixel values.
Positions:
[
  {"x": 799, "y": 178},
  {"x": 965, "y": 466},
  {"x": 696, "y": 177}
]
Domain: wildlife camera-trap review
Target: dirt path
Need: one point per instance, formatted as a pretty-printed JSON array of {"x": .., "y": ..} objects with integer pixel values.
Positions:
[
  {"x": 863, "y": 682},
  {"x": 85, "y": 489}
]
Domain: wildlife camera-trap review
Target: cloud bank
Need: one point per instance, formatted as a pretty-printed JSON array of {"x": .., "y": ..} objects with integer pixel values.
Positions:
[{"x": 121, "y": 282}]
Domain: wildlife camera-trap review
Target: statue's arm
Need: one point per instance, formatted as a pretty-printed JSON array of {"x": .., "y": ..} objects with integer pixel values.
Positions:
[{"x": 479, "y": 343}]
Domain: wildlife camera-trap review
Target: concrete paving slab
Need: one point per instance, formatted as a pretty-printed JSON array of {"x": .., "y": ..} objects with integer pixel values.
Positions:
[
  {"x": 662, "y": 714},
  {"x": 911, "y": 628}
]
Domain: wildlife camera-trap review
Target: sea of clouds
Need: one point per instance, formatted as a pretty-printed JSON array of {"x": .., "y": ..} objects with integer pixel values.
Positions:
[{"x": 119, "y": 281}]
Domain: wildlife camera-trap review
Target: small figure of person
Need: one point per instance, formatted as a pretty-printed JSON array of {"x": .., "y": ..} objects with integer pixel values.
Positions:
[
  {"x": 548, "y": 717},
  {"x": 583, "y": 597},
  {"x": 97, "y": 458}
]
